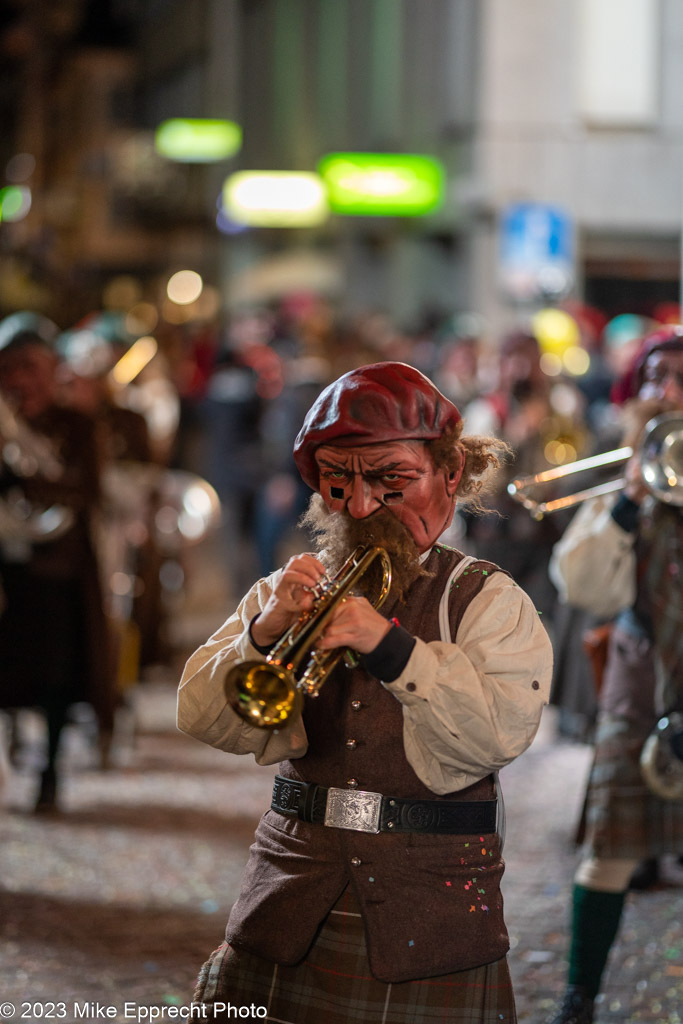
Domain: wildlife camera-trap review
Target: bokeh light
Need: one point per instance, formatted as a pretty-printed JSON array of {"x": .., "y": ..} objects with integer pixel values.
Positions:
[
  {"x": 555, "y": 330},
  {"x": 15, "y": 202},
  {"x": 558, "y": 452},
  {"x": 134, "y": 360},
  {"x": 184, "y": 287},
  {"x": 121, "y": 292},
  {"x": 275, "y": 199},
  {"x": 551, "y": 364},
  {"x": 141, "y": 318},
  {"x": 576, "y": 360},
  {"x": 197, "y": 140},
  {"x": 20, "y": 167}
]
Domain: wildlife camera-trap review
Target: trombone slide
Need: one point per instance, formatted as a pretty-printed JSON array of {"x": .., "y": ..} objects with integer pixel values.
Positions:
[{"x": 518, "y": 488}]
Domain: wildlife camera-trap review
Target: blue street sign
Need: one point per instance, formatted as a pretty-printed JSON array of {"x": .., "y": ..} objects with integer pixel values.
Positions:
[{"x": 536, "y": 250}]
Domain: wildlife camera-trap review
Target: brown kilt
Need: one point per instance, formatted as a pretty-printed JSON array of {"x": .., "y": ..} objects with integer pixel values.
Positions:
[{"x": 333, "y": 984}]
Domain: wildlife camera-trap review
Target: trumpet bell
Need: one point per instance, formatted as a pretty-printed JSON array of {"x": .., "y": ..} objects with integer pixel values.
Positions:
[
  {"x": 661, "y": 760},
  {"x": 261, "y": 693},
  {"x": 662, "y": 457}
]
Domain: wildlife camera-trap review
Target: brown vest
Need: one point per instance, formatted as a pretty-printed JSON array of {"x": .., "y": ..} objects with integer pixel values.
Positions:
[{"x": 431, "y": 904}]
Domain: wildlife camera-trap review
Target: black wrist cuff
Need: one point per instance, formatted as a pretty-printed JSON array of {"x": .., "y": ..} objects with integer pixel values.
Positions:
[
  {"x": 625, "y": 513},
  {"x": 259, "y": 648},
  {"x": 390, "y": 656}
]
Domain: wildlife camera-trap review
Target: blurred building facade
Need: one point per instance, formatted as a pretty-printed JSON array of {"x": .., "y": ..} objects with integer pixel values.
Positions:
[{"x": 575, "y": 105}]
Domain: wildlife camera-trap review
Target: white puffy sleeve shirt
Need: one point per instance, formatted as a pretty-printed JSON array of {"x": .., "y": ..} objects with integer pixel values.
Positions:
[
  {"x": 593, "y": 565},
  {"x": 469, "y": 707}
]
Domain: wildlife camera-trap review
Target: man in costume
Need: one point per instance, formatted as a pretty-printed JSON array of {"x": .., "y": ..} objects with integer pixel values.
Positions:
[
  {"x": 624, "y": 558},
  {"x": 373, "y": 886}
]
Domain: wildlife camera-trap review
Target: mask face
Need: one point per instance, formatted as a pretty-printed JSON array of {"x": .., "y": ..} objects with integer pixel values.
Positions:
[
  {"x": 398, "y": 476},
  {"x": 663, "y": 378}
]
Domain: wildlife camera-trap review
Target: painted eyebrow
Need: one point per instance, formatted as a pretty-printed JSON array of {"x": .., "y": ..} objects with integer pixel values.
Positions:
[
  {"x": 390, "y": 467},
  {"x": 372, "y": 473},
  {"x": 334, "y": 465}
]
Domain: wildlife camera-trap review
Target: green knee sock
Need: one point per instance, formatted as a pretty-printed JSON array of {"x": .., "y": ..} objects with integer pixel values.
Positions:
[{"x": 595, "y": 921}]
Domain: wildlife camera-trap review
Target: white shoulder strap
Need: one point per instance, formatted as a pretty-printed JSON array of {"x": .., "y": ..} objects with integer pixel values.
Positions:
[
  {"x": 445, "y": 631},
  {"x": 444, "y": 619}
]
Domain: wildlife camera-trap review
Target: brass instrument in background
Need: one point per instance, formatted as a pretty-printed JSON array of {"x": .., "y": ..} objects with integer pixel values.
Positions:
[
  {"x": 266, "y": 693},
  {"x": 661, "y": 455},
  {"x": 661, "y": 759},
  {"x": 28, "y": 455}
]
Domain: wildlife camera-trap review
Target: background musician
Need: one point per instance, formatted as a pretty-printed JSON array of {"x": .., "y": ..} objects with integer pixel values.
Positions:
[
  {"x": 625, "y": 558},
  {"x": 54, "y": 641}
]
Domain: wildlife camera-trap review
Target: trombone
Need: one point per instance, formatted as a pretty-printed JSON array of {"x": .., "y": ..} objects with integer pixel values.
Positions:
[
  {"x": 661, "y": 454},
  {"x": 266, "y": 693}
]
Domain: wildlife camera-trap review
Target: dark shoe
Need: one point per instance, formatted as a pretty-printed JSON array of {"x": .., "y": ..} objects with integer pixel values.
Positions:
[
  {"x": 47, "y": 794},
  {"x": 577, "y": 1007},
  {"x": 645, "y": 876}
]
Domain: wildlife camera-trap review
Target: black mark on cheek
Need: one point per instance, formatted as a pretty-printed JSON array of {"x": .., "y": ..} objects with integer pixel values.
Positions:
[
  {"x": 393, "y": 498},
  {"x": 336, "y": 492}
]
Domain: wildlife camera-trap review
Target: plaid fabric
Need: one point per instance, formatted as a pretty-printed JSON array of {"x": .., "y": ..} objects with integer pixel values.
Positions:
[
  {"x": 664, "y": 585},
  {"x": 333, "y": 985},
  {"x": 624, "y": 819}
]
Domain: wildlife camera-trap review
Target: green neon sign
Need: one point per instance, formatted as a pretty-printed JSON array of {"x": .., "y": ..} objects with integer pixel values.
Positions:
[
  {"x": 382, "y": 184},
  {"x": 197, "y": 140}
]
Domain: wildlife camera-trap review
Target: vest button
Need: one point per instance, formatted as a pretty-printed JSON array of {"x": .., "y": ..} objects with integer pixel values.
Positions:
[
  {"x": 356, "y": 862},
  {"x": 411, "y": 687},
  {"x": 351, "y": 744},
  {"x": 356, "y": 705},
  {"x": 352, "y": 783}
]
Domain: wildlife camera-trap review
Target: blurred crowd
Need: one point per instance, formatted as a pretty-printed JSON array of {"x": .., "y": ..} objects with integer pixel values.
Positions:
[{"x": 121, "y": 450}]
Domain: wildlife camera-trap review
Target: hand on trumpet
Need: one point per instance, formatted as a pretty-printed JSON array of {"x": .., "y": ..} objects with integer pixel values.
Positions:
[
  {"x": 292, "y": 596},
  {"x": 355, "y": 622},
  {"x": 356, "y": 625}
]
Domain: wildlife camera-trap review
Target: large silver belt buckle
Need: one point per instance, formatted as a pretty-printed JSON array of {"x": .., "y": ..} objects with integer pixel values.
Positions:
[{"x": 356, "y": 809}]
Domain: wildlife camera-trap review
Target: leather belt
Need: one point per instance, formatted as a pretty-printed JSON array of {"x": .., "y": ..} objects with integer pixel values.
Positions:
[{"x": 365, "y": 811}]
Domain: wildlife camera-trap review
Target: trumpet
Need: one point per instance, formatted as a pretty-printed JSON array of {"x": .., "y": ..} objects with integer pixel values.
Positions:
[
  {"x": 266, "y": 693},
  {"x": 661, "y": 454}
]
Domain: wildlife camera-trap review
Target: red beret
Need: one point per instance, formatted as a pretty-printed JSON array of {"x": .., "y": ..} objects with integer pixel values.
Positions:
[
  {"x": 664, "y": 339},
  {"x": 371, "y": 405}
]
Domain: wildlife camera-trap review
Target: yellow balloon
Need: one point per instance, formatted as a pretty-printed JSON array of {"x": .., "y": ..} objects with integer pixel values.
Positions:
[{"x": 555, "y": 330}]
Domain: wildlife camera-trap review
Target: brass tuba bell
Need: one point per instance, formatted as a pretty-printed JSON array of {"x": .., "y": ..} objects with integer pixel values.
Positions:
[{"x": 266, "y": 693}]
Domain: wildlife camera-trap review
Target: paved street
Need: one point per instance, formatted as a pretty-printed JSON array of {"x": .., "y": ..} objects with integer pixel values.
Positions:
[{"x": 118, "y": 899}]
